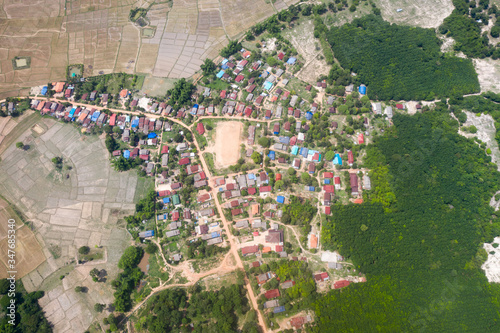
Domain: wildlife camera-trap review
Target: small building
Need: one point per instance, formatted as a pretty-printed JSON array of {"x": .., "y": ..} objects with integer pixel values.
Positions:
[
  {"x": 200, "y": 128},
  {"x": 280, "y": 199},
  {"x": 273, "y": 293}
]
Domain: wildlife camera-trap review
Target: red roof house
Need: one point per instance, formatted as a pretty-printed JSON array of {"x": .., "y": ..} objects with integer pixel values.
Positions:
[
  {"x": 329, "y": 188},
  {"x": 265, "y": 189},
  {"x": 184, "y": 161},
  {"x": 249, "y": 250},
  {"x": 361, "y": 138},
  {"x": 164, "y": 150},
  {"x": 272, "y": 293},
  {"x": 200, "y": 128},
  {"x": 328, "y": 174},
  {"x": 341, "y": 284}
]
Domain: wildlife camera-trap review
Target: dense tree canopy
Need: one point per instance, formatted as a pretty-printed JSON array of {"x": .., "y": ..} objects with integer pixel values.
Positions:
[
  {"x": 423, "y": 252},
  {"x": 400, "y": 62}
]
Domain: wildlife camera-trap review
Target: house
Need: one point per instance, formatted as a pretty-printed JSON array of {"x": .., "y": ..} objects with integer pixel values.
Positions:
[
  {"x": 241, "y": 224},
  {"x": 296, "y": 163},
  {"x": 327, "y": 197},
  {"x": 280, "y": 199},
  {"x": 271, "y": 304},
  {"x": 328, "y": 210},
  {"x": 400, "y": 106},
  {"x": 328, "y": 174},
  {"x": 377, "y": 108},
  {"x": 256, "y": 264},
  {"x": 353, "y": 178},
  {"x": 341, "y": 284},
  {"x": 367, "y": 184},
  {"x": 313, "y": 242},
  {"x": 311, "y": 168},
  {"x": 176, "y": 200},
  {"x": 249, "y": 250},
  {"x": 184, "y": 161},
  {"x": 275, "y": 236},
  {"x": 298, "y": 322},
  {"x": 336, "y": 181},
  {"x": 186, "y": 215},
  {"x": 273, "y": 293},
  {"x": 175, "y": 216},
  {"x": 388, "y": 112},
  {"x": 329, "y": 188},
  {"x": 350, "y": 158},
  {"x": 321, "y": 277},
  {"x": 287, "y": 284},
  {"x": 200, "y": 128},
  {"x": 200, "y": 183},
  {"x": 202, "y": 229},
  {"x": 146, "y": 234},
  {"x": 361, "y": 138},
  {"x": 265, "y": 189},
  {"x": 262, "y": 278},
  {"x": 236, "y": 212},
  {"x": 334, "y": 265},
  {"x": 172, "y": 233}
]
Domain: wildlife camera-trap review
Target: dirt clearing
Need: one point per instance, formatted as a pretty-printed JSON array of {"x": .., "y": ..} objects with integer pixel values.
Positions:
[
  {"x": 227, "y": 143},
  {"x": 28, "y": 252},
  {"x": 425, "y": 14},
  {"x": 488, "y": 73}
]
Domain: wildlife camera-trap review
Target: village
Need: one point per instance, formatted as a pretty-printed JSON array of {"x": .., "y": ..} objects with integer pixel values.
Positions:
[{"x": 205, "y": 206}]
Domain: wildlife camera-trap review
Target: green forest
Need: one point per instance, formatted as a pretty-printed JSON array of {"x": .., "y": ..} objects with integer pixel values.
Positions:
[
  {"x": 173, "y": 310},
  {"x": 400, "y": 62},
  {"x": 421, "y": 250}
]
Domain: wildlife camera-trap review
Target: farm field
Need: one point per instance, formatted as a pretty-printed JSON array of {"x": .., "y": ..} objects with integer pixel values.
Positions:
[
  {"x": 81, "y": 204},
  {"x": 99, "y": 35}
]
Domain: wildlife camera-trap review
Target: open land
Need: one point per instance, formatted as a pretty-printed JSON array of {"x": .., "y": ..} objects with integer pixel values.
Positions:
[
  {"x": 227, "y": 143},
  {"x": 99, "y": 35},
  {"x": 425, "y": 14},
  {"x": 69, "y": 208},
  {"x": 488, "y": 72}
]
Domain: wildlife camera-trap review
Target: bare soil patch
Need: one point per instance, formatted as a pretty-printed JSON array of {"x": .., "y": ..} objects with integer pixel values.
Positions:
[
  {"x": 227, "y": 143},
  {"x": 425, "y": 14},
  {"x": 488, "y": 72}
]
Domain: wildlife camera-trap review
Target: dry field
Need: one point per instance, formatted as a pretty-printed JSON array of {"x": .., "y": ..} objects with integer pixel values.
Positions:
[
  {"x": 488, "y": 72},
  {"x": 77, "y": 206},
  {"x": 309, "y": 48},
  {"x": 97, "y": 33},
  {"x": 227, "y": 143},
  {"x": 425, "y": 14},
  {"x": 28, "y": 252}
]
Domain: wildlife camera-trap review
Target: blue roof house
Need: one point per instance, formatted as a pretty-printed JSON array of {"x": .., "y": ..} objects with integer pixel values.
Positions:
[
  {"x": 295, "y": 150},
  {"x": 291, "y": 61},
  {"x": 126, "y": 154},
  {"x": 279, "y": 309},
  {"x": 337, "y": 160},
  {"x": 280, "y": 199},
  {"x": 309, "y": 115},
  {"x": 152, "y": 135},
  {"x": 326, "y": 181},
  {"x": 95, "y": 115},
  {"x": 135, "y": 123},
  {"x": 304, "y": 152},
  {"x": 166, "y": 200},
  {"x": 219, "y": 75},
  {"x": 362, "y": 89},
  {"x": 268, "y": 85},
  {"x": 272, "y": 155},
  {"x": 44, "y": 90}
]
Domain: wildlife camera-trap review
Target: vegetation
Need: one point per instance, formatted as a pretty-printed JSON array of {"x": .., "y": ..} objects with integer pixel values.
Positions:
[
  {"x": 127, "y": 280},
  {"x": 199, "y": 249},
  {"x": 180, "y": 94},
  {"x": 173, "y": 310},
  {"x": 423, "y": 254},
  {"x": 29, "y": 317},
  {"x": 405, "y": 62},
  {"x": 231, "y": 48},
  {"x": 144, "y": 210}
]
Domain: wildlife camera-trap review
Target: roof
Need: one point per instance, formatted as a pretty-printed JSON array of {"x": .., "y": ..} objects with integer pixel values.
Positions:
[
  {"x": 272, "y": 293},
  {"x": 264, "y": 189},
  {"x": 328, "y": 174},
  {"x": 249, "y": 249},
  {"x": 341, "y": 284},
  {"x": 200, "y": 128}
]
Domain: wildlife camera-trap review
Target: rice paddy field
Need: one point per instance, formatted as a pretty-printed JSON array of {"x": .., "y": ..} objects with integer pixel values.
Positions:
[
  {"x": 82, "y": 203},
  {"x": 98, "y": 34}
]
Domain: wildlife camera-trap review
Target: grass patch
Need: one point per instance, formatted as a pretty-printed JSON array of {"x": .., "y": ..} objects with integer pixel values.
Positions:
[{"x": 144, "y": 186}]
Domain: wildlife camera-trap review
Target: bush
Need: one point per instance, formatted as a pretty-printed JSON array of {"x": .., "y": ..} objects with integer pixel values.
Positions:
[
  {"x": 84, "y": 250},
  {"x": 151, "y": 248},
  {"x": 19, "y": 145}
]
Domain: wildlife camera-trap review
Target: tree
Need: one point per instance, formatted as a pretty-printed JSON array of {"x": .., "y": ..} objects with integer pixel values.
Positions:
[
  {"x": 131, "y": 257},
  {"x": 208, "y": 67},
  {"x": 231, "y": 48},
  {"x": 151, "y": 248},
  {"x": 329, "y": 155},
  {"x": 99, "y": 307},
  {"x": 80, "y": 289},
  {"x": 495, "y": 31},
  {"x": 111, "y": 144},
  {"x": 264, "y": 142},
  {"x": 95, "y": 273},
  {"x": 256, "y": 157},
  {"x": 4, "y": 286},
  {"x": 305, "y": 178},
  {"x": 84, "y": 250},
  {"x": 19, "y": 145},
  {"x": 117, "y": 130}
]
